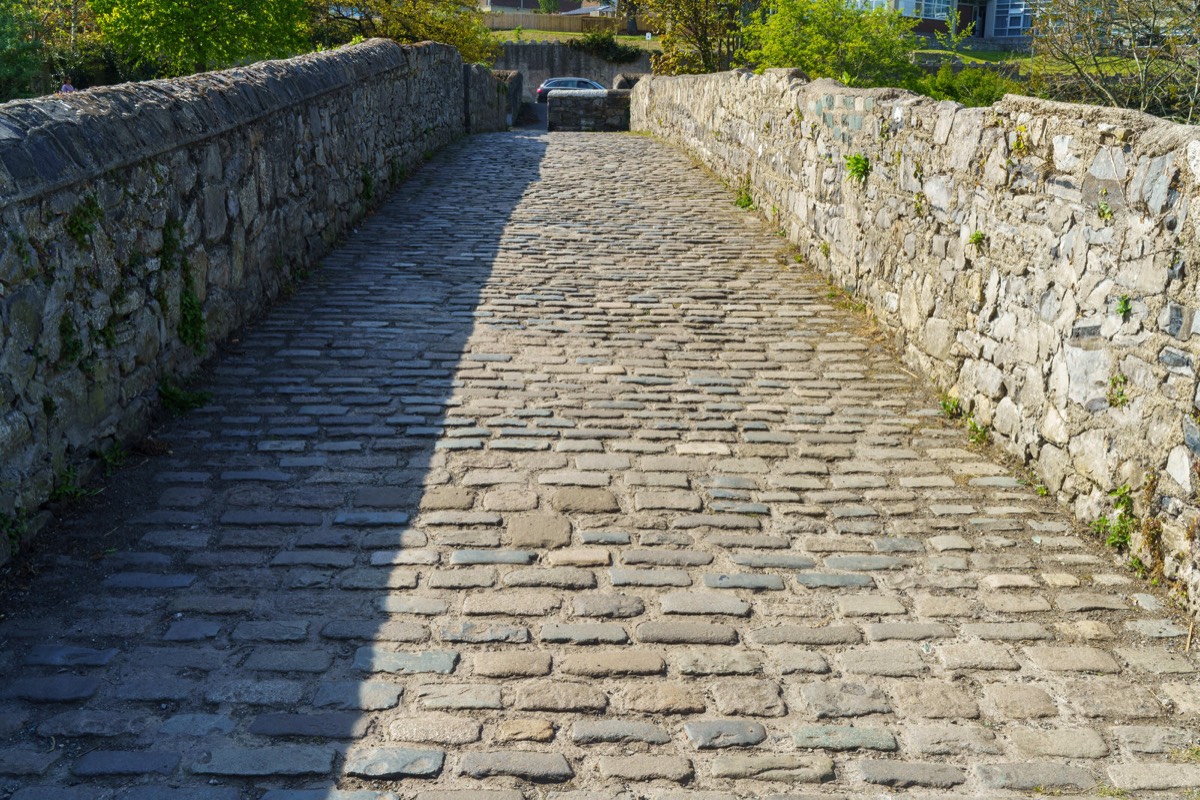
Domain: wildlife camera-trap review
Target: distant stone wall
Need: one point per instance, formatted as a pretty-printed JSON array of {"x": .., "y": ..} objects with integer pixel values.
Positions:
[
  {"x": 1038, "y": 260},
  {"x": 588, "y": 110},
  {"x": 537, "y": 61},
  {"x": 140, "y": 224}
]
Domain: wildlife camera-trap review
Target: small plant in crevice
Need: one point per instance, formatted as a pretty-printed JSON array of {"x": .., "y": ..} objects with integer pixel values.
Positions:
[
  {"x": 108, "y": 334},
  {"x": 951, "y": 408},
  {"x": 1117, "y": 530},
  {"x": 825, "y": 249},
  {"x": 112, "y": 457},
  {"x": 1116, "y": 395},
  {"x": 1020, "y": 146},
  {"x": 1152, "y": 530},
  {"x": 1034, "y": 481},
  {"x": 1104, "y": 211},
  {"x": 1139, "y": 567},
  {"x": 193, "y": 328},
  {"x": 13, "y": 527},
  {"x": 178, "y": 400},
  {"x": 70, "y": 345},
  {"x": 978, "y": 434},
  {"x": 919, "y": 203},
  {"x": 977, "y": 239},
  {"x": 67, "y": 488},
  {"x": 843, "y": 297},
  {"x": 858, "y": 167},
  {"x": 1124, "y": 306},
  {"x": 81, "y": 222},
  {"x": 744, "y": 199}
]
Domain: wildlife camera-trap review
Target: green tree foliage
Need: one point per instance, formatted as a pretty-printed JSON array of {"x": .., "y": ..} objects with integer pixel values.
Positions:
[
  {"x": 1140, "y": 54},
  {"x": 72, "y": 42},
  {"x": 956, "y": 34},
  {"x": 452, "y": 22},
  {"x": 178, "y": 37},
  {"x": 835, "y": 39},
  {"x": 973, "y": 86},
  {"x": 20, "y": 50},
  {"x": 548, "y": 6},
  {"x": 696, "y": 35}
]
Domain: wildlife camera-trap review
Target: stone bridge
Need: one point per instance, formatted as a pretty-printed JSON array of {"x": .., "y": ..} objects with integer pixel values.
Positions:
[{"x": 560, "y": 477}]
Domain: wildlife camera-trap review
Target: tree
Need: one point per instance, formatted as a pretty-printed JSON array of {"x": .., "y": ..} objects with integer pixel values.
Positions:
[
  {"x": 76, "y": 47},
  {"x": 548, "y": 6},
  {"x": 955, "y": 34},
  {"x": 178, "y": 37},
  {"x": 453, "y": 22},
  {"x": 1140, "y": 54},
  {"x": 697, "y": 35},
  {"x": 20, "y": 50},
  {"x": 835, "y": 39}
]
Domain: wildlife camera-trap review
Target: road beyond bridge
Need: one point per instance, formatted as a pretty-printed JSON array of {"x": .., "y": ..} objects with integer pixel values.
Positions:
[{"x": 560, "y": 479}]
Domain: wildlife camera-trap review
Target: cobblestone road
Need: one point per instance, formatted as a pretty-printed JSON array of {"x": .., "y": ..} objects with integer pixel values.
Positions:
[{"x": 554, "y": 482}]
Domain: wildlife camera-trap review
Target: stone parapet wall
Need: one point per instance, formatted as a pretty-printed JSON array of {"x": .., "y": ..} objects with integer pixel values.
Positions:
[
  {"x": 1037, "y": 260},
  {"x": 485, "y": 100},
  {"x": 142, "y": 223},
  {"x": 588, "y": 110},
  {"x": 537, "y": 61},
  {"x": 514, "y": 85}
]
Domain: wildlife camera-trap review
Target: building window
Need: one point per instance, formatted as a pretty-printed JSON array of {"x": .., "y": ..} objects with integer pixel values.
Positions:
[
  {"x": 934, "y": 9},
  {"x": 1012, "y": 18}
]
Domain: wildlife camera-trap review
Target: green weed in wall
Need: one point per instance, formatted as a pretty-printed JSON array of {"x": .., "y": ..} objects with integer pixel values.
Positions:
[
  {"x": 70, "y": 345},
  {"x": 172, "y": 237},
  {"x": 81, "y": 222},
  {"x": 193, "y": 329}
]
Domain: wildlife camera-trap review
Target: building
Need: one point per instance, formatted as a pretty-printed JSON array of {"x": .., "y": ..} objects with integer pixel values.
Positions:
[{"x": 994, "y": 19}]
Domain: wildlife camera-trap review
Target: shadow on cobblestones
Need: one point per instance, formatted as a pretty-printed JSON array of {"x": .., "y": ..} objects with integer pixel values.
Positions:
[
  {"x": 563, "y": 482},
  {"x": 228, "y": 626}
]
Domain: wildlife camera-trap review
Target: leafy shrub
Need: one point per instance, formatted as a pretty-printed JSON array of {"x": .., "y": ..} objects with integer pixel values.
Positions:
[
  {"x": 854, "y": 43},
  {"x": 604, "y": 44},
  {"x": 973, "y": 86}
]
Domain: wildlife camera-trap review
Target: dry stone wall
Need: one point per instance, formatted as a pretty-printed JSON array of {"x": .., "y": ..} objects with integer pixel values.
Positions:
[
  {"x": 142, "y": 223},
  {"x": 1037, "y": 260},
  {"x": 486, "y": 98}
]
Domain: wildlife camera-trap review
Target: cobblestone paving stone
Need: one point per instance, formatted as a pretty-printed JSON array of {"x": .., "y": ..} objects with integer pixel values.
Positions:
[{"x": 557, "y": 482}]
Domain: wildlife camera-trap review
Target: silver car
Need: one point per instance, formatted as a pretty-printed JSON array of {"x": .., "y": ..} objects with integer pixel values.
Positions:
[{"x": 564, "y": 83}]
